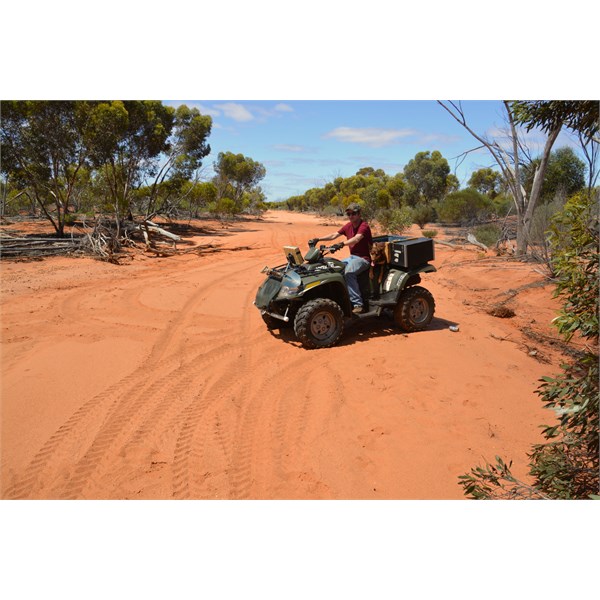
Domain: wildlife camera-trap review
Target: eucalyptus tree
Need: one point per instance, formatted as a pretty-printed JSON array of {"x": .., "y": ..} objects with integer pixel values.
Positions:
[
  {"x": 565, "y": 175},
  {"x": 126, "y": 139},
  {"x": 513, "y": 158},
  {"x": 486, "y": 181},
  {"x": 186, "y": 148},
  {"x": 427, "y": 177},
  {"x": 44, "y": 150},
  {"x": 236, "y": 174}
]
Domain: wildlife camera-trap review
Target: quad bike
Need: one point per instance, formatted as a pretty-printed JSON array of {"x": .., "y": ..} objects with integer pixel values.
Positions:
[{"x": 310, "y": 293}]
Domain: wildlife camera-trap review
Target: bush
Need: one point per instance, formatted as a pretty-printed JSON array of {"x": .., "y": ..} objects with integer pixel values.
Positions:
[
  {"x": 328, "y": 211},
  {"x": 423, "y": 214},
  {"x": 488, "y": 234},
  {"x": 503, "y": 204},
  {"x": 394, "y": 220},
  {"x": 224, "y": 207},
  {"x": 539, "y": 240},
  {"x": 429, "y": 233},
  {"x": 566, "y": 465},
  {"x": 465, "y": 207}
]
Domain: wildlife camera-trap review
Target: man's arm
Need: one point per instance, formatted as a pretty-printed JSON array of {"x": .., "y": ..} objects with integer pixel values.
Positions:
[
  {"x": 327, "y": 238},
  {"x": 354, "y": 240}
]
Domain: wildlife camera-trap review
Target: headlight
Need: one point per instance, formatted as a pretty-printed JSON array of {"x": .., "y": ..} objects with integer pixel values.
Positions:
[{"x": 291, "y": 286}]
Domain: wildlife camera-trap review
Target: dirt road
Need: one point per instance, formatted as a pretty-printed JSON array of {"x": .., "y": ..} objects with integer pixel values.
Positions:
[{"x": 158, "y": 379}]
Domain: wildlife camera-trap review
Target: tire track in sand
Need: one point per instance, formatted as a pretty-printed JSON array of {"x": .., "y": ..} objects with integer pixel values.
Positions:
[
  {"x": 105, "y": 408},
  {"x": 189, "y": 457},
  {"x": 117, "y": 428}
]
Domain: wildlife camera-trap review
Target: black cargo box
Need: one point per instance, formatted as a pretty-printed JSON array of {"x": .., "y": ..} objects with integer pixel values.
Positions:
[{"x": 407, "y": 252}]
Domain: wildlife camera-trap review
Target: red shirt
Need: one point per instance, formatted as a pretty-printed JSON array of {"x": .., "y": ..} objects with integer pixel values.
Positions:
[{"x": 363, "y": 247}]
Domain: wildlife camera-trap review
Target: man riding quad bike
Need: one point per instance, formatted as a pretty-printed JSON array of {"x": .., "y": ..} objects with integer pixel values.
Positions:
[{"x": 310, "y": 293}]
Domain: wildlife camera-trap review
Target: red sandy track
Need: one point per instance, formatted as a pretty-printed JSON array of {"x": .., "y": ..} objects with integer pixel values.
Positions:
[{"x": 158, "y": 379}]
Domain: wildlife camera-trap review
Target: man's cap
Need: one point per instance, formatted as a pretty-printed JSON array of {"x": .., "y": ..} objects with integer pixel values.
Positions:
[{"x": 353, "y": 206}]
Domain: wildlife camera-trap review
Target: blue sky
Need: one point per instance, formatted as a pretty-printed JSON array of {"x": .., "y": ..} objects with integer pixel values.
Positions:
[{"x": 307, "y": 143}]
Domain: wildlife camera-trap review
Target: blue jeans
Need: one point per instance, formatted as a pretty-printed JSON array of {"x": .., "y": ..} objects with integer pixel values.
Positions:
[{"x": 354, "y": 266}]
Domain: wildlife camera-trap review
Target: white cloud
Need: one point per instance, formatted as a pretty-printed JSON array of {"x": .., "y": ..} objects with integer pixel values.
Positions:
[
  {"x": 289, "y": 148},
  {"x": 205, "y": 110},
  {"x": 283, "y": 107},
  {"x": 235, "y": 111},
  {"x": 370, "y": 136}
]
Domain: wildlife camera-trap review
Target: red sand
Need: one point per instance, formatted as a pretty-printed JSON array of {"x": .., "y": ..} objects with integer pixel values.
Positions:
[{"x": 158, "y": 379}]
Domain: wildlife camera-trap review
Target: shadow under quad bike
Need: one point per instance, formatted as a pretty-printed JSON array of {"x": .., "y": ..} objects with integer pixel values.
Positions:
[{"x": 310, "y": 293}]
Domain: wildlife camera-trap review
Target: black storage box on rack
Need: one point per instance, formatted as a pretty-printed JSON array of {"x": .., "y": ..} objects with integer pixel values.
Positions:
[{"x": 405, "y": 252}]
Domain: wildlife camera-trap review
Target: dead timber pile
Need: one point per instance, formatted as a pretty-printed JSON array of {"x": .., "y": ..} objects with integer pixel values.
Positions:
[
  {"x": 105, "y": 239},
  {"x": 31, "y": 247}
]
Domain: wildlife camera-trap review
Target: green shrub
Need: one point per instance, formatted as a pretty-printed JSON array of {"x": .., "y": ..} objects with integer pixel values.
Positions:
[
  {"x": 394, "y": 220},
  {"x": 429, "y": 233},
  {"x": 566, "y": 465},
  {"x": 423, "y": 214},
  {"x": 465, "y": 207},
  {"x": 226, "y": 206},
  {"x": 488, "y": 234},
  {"x": 503, "y": 204}
]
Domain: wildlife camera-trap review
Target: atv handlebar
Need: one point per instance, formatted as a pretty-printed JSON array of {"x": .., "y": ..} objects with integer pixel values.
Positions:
[{"x": 313, "y": 242}]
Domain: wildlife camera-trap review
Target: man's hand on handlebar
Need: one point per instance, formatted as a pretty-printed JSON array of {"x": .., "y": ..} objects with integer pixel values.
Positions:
[
  {"x": 312, "y": 243},
  {"x": 337, "y": 247}
]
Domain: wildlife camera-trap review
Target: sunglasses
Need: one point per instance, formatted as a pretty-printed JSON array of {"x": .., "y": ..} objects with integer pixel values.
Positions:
[{"x": 350, "y": 213}]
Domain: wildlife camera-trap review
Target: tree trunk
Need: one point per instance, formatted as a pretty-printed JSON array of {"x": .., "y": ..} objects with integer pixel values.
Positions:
[
  {"x": 510, "y": 167},
  {"x": 526, "y": 218}
]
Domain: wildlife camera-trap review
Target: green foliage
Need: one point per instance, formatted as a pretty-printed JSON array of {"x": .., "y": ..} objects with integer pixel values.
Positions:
[
  {"x": 488, "y": 234},
  {"x": 465, "y": 207},
  {"x": 126, "y": 139},
  {"x": 396, "y": 186},
  {"x": 384, "y": 198},
  {"x": 395, "y": 220},
  {"x": 503, "y": 204},
  {"x": 582, "y": 116},
  {"x": 239, "y": 172},
  {"x": 253, "y": 202},
  {"x": 236, "y": 177},
  {"x": 427, "y": 177},
  {"x": 429, "y": 233},
  {"x": 79, "y": 155},
  {"x": 575, "y": 239},
  {"x": 196, "y": 196},
  {"x": 565, "y": 175},
  {"x": 44, "y": 149},
  {"x": 486, "y": 181},
  {"x": 423, "y": 214},
  {"x": 566, "y": 465},
  {"x": 225, "y": 207},
  {"x": 496, "y": 481}
]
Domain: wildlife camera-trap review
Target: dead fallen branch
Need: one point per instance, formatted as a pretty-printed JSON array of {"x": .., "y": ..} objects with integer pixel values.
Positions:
[
  {"x": 473, "y": 240},
  {"x": 14, "y": 247},
  {"x": 444, "y": 243},
  {"x": 105, "y": 239},
  {"x": 531, "y": 351}
]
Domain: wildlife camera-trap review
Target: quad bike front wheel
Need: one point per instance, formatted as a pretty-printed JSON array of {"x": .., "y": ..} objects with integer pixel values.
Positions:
[
  {"x": 272, "y": 322},
  {"x": 415, "y": 309},
  {"x": 319, "y": 323}
]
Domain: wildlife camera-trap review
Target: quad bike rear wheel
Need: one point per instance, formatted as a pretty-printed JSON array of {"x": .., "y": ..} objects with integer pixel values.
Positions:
[
  {"x": 319, "y": 323},
  {"x": 415, "y": 309}
]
